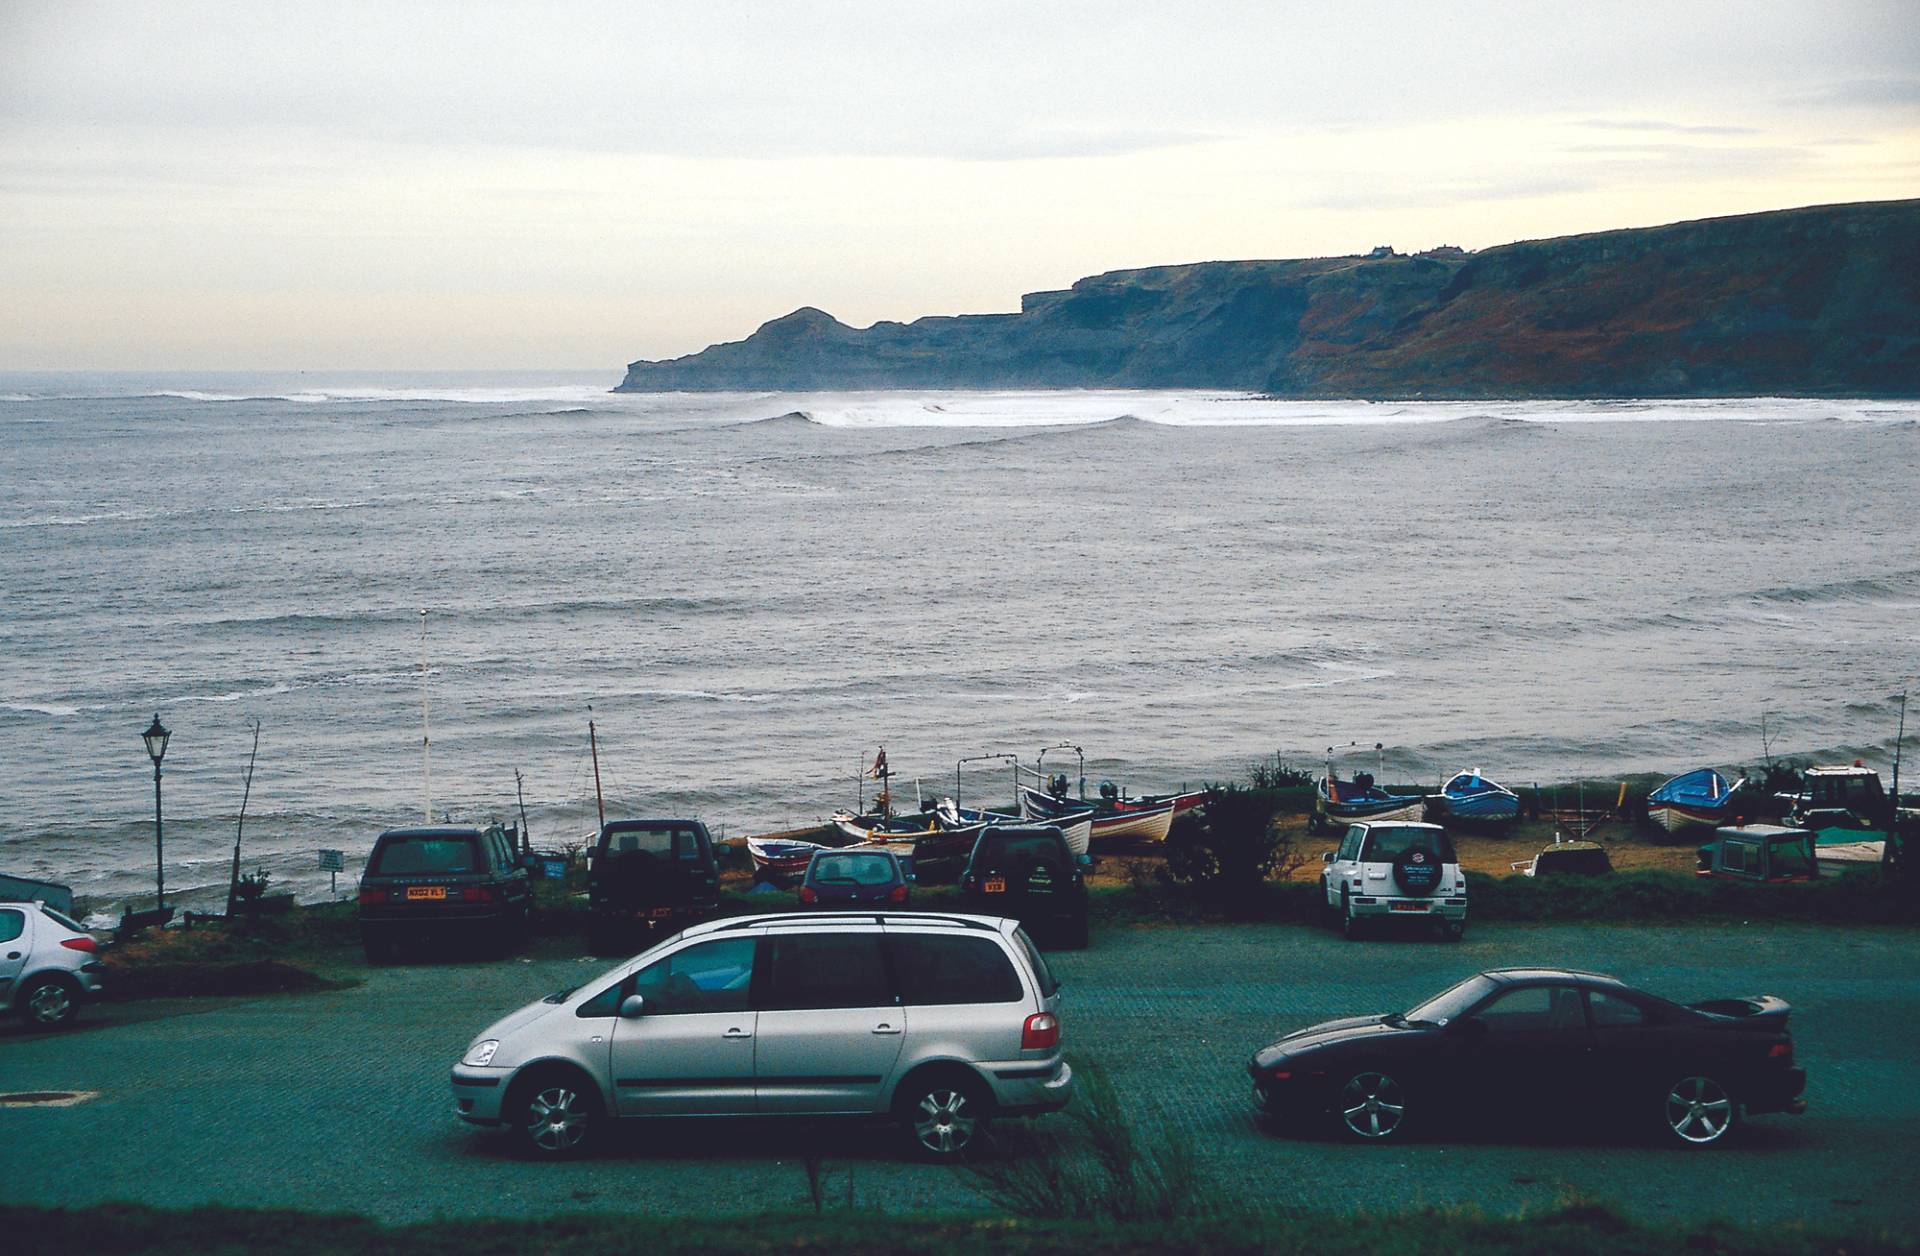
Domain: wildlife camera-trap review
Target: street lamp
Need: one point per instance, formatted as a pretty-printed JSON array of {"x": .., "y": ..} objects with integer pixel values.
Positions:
[{"x": 156, "y": 739}]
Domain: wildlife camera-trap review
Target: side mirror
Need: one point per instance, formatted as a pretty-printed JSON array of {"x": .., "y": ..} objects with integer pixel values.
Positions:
[
  {"x": 633, "y": 1007},
  {"x": 1327, "y": 857}
]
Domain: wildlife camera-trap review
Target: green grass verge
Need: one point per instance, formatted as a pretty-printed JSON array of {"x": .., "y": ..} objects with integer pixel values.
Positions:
[
  {"x": 1575, "y": 1229},
  {"x": 1623, "y": 898}
]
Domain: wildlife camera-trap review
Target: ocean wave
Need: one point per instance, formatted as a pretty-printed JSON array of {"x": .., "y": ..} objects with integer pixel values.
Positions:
[{"x": 55, "y": 709}]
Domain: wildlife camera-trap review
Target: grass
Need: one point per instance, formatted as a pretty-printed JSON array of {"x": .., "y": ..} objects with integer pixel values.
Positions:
[{"x": 1575, "y": 1228}]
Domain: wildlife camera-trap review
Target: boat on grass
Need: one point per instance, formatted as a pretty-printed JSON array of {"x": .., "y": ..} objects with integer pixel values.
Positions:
[
  {"x": 1338, "y": 803},
  {"x": 1701, "y": 799},
  {"x": 1075, "y": 826},
  {"x": 1138, "y": 824},
  {"x": 783, "y": 857},
  {"x": 1470, "y": 798}
]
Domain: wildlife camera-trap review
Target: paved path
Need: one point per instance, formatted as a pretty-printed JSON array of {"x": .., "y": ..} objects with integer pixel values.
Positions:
[{"x": 339, "y": 1100}]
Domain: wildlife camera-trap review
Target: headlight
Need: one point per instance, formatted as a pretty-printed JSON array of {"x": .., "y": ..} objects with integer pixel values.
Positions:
[{"x": 481, "y": 1053}]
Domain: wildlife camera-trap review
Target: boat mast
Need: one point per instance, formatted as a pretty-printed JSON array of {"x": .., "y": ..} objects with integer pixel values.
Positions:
[
  {"x": 426, "y": 738},
  {"x": 526, "y": 838},
  {"x": 233, "y": 880},
  {"x": 1895, "y": 839},
  {"x": 593, "y": 745}
]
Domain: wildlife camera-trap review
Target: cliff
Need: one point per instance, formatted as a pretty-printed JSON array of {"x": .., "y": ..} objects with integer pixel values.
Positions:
[{"x": 1805, "y": 302}]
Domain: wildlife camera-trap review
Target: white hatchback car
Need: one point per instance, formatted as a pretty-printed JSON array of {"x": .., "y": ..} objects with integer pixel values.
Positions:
[
  {"x": 48, "y": 964},
  {"x": 1395, "y": 870}
]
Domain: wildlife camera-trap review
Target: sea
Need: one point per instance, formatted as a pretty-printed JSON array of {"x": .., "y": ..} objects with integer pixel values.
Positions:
[{"x": 746, "y": 595}]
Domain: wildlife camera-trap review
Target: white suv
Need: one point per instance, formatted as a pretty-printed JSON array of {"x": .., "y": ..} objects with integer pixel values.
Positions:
[
  {"x": 936, "y": 1021},
  {"x": 48, "y": 964},
  {"x": 1395, "y": 870}
]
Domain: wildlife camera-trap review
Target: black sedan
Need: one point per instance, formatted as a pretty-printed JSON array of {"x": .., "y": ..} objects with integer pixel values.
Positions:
[{"x": 1539, "y": 1046}]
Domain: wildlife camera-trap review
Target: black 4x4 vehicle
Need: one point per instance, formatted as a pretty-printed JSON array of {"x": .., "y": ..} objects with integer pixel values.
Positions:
[
  {"x": 1027, "y": 872},
  {"x": 649, "y": 877},
  {"x": 443, "y": 883}
]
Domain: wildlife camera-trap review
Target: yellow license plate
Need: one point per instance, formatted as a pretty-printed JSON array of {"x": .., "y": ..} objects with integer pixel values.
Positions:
[
  {"x": 416, "y": 893},
  {"x": 996, "y": 885}
]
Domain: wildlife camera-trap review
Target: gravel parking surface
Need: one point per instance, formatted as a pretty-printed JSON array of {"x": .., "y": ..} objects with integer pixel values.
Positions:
[{"x": 339, "y": 1100}]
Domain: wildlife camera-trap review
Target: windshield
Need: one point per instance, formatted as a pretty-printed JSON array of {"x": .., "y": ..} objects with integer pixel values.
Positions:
[
  {"x": 1452, "y": 1002},
  {"x": 867, "y": 869},
  {"x": 665, "y": 843},
  {"x": 1792, "y": 858},
  {"x": 423, "y": 855}
]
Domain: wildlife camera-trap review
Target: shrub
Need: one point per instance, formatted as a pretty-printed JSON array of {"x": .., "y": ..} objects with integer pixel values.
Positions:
[{"x": 1231, "y": 847}]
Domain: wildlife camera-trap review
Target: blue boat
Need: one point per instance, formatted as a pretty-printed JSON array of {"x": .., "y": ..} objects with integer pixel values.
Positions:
[
  {"x": 1699, "y": 799},
  {"x": 1471, "y": 798}
]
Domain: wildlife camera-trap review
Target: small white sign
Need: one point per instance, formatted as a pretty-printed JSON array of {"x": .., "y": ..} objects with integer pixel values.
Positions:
[{"x": 333, "y": 861}]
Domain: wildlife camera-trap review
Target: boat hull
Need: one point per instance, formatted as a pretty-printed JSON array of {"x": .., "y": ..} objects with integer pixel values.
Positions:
[{"x": 1141, "y": 825}]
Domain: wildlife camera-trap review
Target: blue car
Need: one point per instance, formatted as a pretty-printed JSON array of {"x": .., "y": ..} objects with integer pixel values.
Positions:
[{"x": 854, "y": 878}]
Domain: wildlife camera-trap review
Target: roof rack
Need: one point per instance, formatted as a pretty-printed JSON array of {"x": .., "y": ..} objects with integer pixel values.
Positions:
[{"x": 850, "y": 917}]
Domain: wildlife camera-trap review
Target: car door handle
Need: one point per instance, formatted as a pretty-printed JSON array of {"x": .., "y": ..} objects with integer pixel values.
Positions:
[
  {"x": 885, "y": 1028},
  {"x": 738, "y": 1033}
]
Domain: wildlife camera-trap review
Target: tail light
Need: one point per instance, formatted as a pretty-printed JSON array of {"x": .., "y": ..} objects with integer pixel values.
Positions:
[
  {"x": 1781, "y": 1051},
  {"x": 1041, "y": 1031},
  {"x": 808, "y": 895},
  {"x": 477, "y": 894},
  {"x": 80, "y": 944},
  {"x": 897, "y": 895},
  {"x": 372, "y": 896}
]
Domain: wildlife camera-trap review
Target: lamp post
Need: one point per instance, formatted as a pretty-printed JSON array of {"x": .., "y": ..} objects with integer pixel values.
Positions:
[{"x": 156, "y": 739}]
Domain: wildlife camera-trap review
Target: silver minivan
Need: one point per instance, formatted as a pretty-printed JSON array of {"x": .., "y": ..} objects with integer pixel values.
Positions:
[{"x": 938, "y": 1022}]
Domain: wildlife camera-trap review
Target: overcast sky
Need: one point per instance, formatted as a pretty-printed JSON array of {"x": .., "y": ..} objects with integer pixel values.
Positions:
[{"x": 275, "y": 186}]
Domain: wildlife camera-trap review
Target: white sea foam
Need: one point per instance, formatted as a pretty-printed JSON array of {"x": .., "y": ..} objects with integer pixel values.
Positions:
[{"x": 1225, "y": 409}]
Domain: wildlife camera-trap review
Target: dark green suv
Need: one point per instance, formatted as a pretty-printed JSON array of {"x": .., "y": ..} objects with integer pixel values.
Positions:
[
  {"x": 1027, "y": 872},
  {"x": 649, "y": 879}
]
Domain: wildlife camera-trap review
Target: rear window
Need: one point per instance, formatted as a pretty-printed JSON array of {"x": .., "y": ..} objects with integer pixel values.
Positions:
[
  {"x": 1041, "y": 972},
  {"x": 425, "y": 856},
  {"x": 669, "y": 843},
  {"x": 934, "y": 969},
  {"x": 1387, "y": 845},
  {"x": 1009, "y": 848},
  {"x": 866, "y": 869}
]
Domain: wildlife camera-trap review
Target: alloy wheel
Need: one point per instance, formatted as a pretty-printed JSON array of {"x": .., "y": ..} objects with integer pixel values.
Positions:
[
  {"x": 1699, "y": 1110},
  {"x": 557, "y": 1119},
  {"x": 49, "y": 1004},
  {"x": 1372, "y": 1105},
  {"x": 943, "y": 1121}
]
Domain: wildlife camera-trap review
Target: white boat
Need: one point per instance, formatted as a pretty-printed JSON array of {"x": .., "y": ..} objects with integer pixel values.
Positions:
[{"x": 1076, "y": 827}]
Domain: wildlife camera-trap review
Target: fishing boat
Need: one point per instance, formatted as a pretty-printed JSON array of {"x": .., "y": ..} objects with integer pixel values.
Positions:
[
  {"x": 784, "y": 857},
  {"x": 1075, "y": 826},
  {"x": 1140, "y": 824},
  {"x": 1701, "y": 799},
  {"x": 1337, "y": 803},
  {"x": 923, "y": 834},
  {"x": 1471, "y": 798}
]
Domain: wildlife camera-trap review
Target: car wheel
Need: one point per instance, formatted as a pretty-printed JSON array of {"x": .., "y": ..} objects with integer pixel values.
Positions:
[
  {"x": 1700, "y": 1111},
  {"x": 943, "y": 1116},
  {"x": 49, "y": 1002},
  {"x": 554, "y": 1116},
  {"x": 1372, "y": 1107},
  {"x": 1350, "y": 925}
]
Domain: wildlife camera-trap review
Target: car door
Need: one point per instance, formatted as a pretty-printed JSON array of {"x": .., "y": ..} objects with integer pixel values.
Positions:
[
  {"x": 831, "y": 1023},
  {"x": 1525, "y": 1058},
  {"x": 15, "y": 941},
  {"x": 1632, "y": 1051},
  {"x": 691, "y": 1050},
  {"x": 1346, "y": 865}
]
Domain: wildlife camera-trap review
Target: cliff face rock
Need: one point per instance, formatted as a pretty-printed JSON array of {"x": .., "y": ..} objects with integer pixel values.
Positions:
[{"x": 1819, "y": 301}]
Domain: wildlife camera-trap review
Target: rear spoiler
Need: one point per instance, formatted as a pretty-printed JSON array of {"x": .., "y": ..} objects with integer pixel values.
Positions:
[{"x": 1760, "y": 1011}]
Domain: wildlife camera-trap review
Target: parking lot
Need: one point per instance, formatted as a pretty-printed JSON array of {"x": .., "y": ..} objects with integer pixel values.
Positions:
[{"x": 338, "y": 1101}]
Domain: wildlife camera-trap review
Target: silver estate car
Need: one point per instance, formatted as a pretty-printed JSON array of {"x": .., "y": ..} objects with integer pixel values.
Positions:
[{"x": 936, "y": 1021}]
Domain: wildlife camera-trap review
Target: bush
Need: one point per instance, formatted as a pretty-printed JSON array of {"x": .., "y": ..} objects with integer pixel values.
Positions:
[{"x": 1230, "y": 847}]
